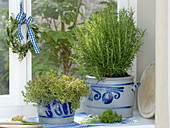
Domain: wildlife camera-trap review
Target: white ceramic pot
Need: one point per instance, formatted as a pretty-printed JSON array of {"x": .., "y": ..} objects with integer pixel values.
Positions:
[
  {"x": 112, "y": 93},
  {"x": 56, "y": 113}
]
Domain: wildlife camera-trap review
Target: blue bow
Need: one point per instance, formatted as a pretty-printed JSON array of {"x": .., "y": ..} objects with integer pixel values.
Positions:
[{"x": 21, "y": 18}]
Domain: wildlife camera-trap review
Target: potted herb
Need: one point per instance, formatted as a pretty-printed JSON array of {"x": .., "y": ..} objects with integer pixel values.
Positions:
[
  {"x": 56, "y": 96},
  {"x": 107, "y": 44}
]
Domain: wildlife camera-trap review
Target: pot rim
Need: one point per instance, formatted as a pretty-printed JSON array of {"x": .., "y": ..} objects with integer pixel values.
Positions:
[{"x": 111, "y": 78}]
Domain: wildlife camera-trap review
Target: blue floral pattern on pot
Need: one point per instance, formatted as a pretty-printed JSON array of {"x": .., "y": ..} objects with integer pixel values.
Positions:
[
  {"x": 108, "y": 96},
  {"x": 111, "y": 93},
  {"x": 58, "y": 113}
]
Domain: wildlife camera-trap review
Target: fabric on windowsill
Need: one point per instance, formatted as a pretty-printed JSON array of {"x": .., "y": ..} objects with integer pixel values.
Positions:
[{"x": 80, "y": 116}]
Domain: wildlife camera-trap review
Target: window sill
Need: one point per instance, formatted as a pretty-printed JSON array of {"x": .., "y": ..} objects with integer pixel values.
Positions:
[{"x": 142, "y": 122}]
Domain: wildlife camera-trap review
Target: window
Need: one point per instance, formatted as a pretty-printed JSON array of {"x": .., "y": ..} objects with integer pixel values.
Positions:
[
  {"x": 19, "y": 72},
  {"x": 4, "y": 54}
]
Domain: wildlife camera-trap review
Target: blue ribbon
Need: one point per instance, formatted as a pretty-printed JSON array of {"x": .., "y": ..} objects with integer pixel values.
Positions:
[{"x": 21, "y": 18}]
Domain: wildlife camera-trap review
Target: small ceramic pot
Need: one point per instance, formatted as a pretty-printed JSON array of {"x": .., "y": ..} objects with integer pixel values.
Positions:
[
  {"x": 56, "y": 113},
  {"x": 111, "y": 93}
]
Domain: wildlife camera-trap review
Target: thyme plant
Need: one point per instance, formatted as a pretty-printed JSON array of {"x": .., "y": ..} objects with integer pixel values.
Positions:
[
  {"x": 49, "y": 87},
  {"x": 108, "y": 42}
]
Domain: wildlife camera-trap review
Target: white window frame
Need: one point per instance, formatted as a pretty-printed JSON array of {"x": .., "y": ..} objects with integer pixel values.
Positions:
[{"x": 19, "y": 72}]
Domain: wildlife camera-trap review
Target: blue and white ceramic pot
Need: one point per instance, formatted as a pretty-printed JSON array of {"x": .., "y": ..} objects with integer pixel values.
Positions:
[
  {"x": 56, "y": 113},
  {"x": 112, "y": 93}
]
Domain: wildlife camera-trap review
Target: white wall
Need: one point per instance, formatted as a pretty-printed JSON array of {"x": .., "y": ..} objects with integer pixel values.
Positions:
[
  {"x": 146, "y": 20},
  {"x": 162, "y": 64}
]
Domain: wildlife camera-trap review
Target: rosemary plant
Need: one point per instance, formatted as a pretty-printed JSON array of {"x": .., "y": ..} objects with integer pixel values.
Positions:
[{"x": 107, "y": 42}]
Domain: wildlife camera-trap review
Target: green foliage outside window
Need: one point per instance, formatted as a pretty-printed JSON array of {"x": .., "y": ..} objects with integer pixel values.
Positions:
[
  {"x": 4, "y": 54},
  {"x": 58, "y": 17}
]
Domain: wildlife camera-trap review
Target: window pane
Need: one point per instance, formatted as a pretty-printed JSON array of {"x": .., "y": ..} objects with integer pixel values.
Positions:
[
  {"x": 91, "y": 6},
  {"x": 4, "y": 55},
  {"x": 59, "y": 17}
]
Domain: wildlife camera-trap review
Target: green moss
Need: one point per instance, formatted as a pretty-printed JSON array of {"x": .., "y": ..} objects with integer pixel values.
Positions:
[{"x": 49, "y": 87}]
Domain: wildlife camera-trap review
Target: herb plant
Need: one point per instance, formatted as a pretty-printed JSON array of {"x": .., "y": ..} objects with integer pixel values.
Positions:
[
  {"x": 46, "y": 88},
  {"x": 108, "y": 42},
  {"x": 107, "y": 117},
  {"x": 110, "y": 117}
]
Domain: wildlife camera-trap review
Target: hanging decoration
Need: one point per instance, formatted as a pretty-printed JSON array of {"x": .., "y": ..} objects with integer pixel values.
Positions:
[{"x": 15, "y": 38}]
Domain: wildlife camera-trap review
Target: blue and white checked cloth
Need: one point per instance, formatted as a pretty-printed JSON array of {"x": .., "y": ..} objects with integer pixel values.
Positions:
[
  {"x": 80, "y": 116},
  {"x": 21, "y": 18}
]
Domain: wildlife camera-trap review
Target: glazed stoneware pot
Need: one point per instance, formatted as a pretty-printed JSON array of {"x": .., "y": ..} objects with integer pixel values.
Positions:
[
  {"x": 111, "y": 93},
  {"x": 56, "y": 113}
]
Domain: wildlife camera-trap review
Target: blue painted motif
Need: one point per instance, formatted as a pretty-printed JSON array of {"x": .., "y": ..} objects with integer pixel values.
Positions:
[
  {"x": 97, "y": 96},
  {"x": 57, "y": 108},
  {"x": 135, "y": 86},
  {"x": 56, "y": 117},
  {"x": 117, "y": 95},
  {"x": 65, "y": 108},
  {"x": 124, "y": 107},
  {"x": 71, "y": 111},
  {"x": 107, "y": 97},
  {"x": 48, "y": 111}
]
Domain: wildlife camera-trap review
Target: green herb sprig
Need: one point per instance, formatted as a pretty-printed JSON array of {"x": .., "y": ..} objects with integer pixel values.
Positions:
[
  {"x": 107, "y": 117},
  {"x": 31, "y": 123}
]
